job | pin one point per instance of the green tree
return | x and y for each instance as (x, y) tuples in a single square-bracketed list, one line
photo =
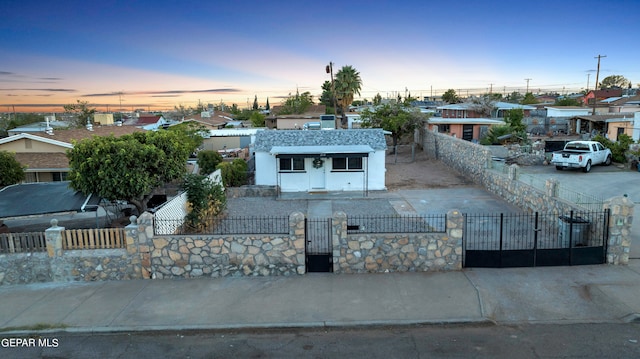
[(234, 174), (396, 118), (327, 97), (267, 106), (82, 112), (257, 119), (377, 99), (495, 132), (529, 99), (618, 148), (16, 120), (614, 81), (11, 171), (296, 104), (206, 200), (255, 103), (208, 161), (129, 167), (566, 101), (484, 105), (514, 97), (450, 96), (347, 84)]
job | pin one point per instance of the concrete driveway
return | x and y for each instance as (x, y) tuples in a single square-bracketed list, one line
[(603, 181)]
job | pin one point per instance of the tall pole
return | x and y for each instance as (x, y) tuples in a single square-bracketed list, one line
[(588, 76), (527, 86), (333, 90), (596, 87)]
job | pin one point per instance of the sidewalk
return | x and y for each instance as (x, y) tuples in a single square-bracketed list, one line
[(535, 295)]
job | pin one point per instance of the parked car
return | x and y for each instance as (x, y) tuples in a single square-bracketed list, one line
[(581, 154)]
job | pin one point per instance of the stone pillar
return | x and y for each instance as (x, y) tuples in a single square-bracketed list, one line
[(620, 220), (455, 232), (513, 172), (551, 186), (143, 229), (338, 236), (297, 233), (53, 237)]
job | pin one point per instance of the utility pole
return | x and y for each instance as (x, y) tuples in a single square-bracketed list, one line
[(588, 75), (490, 89), (527, 85), (596, 87), (329, 70)]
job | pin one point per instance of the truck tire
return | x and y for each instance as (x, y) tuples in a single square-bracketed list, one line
[(607, 162), (587, 168), (559, 168)]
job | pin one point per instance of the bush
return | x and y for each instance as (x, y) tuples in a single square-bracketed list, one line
[(618, 148), (206, 200), (234, 174), (208, 161)]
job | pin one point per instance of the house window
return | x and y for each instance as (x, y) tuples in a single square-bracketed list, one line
[(291, 164), (59, 176), (347, 163), (444, 128)]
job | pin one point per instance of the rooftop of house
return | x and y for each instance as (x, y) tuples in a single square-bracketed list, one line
[(78, 134), (498, 105), (42, 198), (38, 161), (266, 140), (148, 119)]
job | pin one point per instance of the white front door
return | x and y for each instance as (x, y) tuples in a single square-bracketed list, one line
[(317, 175)]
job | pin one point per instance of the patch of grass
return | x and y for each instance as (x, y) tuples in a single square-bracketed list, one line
[(34, 327)]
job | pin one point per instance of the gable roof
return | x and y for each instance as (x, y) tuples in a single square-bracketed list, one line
[(266, 140), (39, 161), (148, 119), (78, 134), (38, 137)]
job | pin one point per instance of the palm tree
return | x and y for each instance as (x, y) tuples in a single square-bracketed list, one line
[(347, 84)]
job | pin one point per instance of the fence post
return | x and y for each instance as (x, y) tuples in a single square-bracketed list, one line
[(551, 186), (53, 237), (620, 220), (143, 227), (338, 238), (297, 231), (455, 233), (513, 172)]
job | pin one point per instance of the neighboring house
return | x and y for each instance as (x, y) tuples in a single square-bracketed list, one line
[(30, 199), (316, 161), (151, 122), (629, 125), (38, 127), (230, 141), (44, 154), (103, 119), (469, 110), (593, 97), (469, 129), (209, 120), (294, 121), (595, 124)]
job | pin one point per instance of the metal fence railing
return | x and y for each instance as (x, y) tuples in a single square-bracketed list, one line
[(583, 200), (433, 223), (224, 225)]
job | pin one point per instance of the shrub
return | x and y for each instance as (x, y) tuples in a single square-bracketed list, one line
[(618, 148), (208, 161), (206, 200), (234, 174)]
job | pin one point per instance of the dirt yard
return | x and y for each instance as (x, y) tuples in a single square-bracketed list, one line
[(422, 173)]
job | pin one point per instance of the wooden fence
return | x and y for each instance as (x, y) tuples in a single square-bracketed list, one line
[(103, 238), (22, 242)]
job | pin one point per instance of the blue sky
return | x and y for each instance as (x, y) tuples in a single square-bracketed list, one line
[(159, 54)]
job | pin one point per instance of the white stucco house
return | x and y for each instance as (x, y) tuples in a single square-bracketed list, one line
[(316, 161)]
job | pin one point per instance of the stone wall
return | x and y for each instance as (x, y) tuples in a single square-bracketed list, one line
[(223, 255), (58, 265), (473, 161), (252, 191), (397, 252)]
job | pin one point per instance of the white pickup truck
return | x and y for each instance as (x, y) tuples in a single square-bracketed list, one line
[(581, 154)]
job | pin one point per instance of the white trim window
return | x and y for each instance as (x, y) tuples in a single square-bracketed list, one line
[(288, 164), (347, 164)]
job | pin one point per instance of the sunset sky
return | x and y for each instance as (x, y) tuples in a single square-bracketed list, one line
[(160, 54)]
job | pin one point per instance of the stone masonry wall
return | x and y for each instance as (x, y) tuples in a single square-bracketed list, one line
[(397, 252), (472, 160), (219, 255)]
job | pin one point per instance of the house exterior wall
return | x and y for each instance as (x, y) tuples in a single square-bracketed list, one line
[(103, 118), (455, 130), (564, 112), (266, 174), (26, 145), (612, 129), (294, 123), (218, 143)]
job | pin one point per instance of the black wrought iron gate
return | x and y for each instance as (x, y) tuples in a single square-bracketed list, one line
[(318, 247), (530, 240)]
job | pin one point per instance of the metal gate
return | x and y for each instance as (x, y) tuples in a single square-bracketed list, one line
[(318, 245), (530, 240)]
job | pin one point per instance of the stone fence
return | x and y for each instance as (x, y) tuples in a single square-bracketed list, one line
[(474, 161)]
